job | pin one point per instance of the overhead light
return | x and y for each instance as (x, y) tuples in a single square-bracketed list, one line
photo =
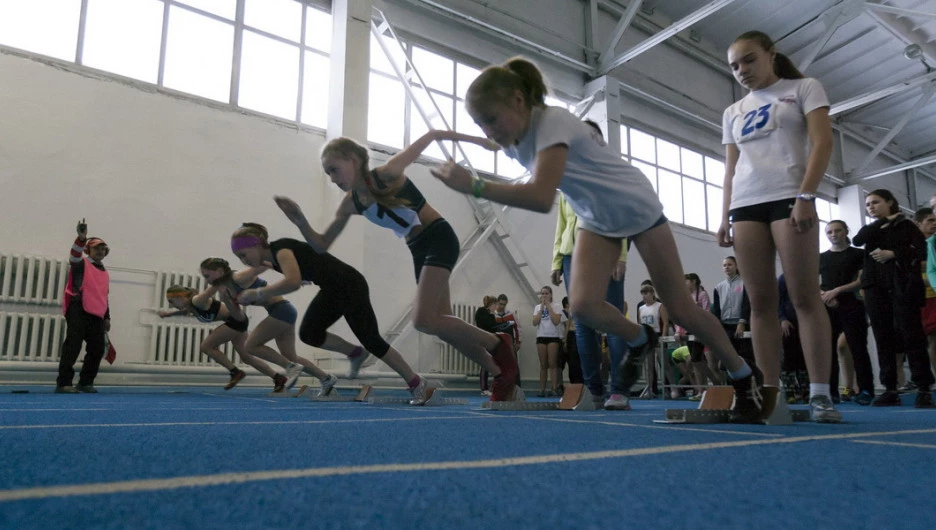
[(913, 52)]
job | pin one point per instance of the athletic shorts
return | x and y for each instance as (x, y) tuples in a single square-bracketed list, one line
[(436, 246), (766, 212), (548, 340), (283, 311), (696, 352), (236, 325), (928, 316)]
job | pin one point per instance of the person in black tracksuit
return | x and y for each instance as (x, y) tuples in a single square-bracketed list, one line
[(894, 293), (839, 279)]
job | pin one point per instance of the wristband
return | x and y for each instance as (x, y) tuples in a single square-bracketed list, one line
[(477, 187), (805, 196)]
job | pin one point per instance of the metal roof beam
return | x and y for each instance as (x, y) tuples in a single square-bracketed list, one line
[(899, 29), (666, 33), (895, 169), (870, 97), (618, 33), (833, 20), (899, 10), (895, 130)]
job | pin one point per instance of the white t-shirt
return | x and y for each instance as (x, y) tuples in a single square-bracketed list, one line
[(650, 315), (546, 327), (611, 197), (769, 128)]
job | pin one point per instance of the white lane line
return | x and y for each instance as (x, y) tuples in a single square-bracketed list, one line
[(213, 423), (166, 484), (639, 425), (901, 444)]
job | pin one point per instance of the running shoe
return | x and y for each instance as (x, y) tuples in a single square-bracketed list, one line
[(327, 385), (357, 358), (235, 378), (86, 389), (293, 371), (279, 383), (864, 398), (924, 400), (748, 403), (887, 399), (617, 402), (629, 369), (821, 410), (421, 393)]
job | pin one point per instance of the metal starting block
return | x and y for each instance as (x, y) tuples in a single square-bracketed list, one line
[(716, 402), (333, 396), (576, 397)]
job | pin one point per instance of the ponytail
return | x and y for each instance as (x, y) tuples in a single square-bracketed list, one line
[(497, 83), (349, 149)]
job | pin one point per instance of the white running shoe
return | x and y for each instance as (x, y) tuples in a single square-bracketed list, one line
[(356, 362), (422, 393), (617, 402), (327, 385), (293, 371)]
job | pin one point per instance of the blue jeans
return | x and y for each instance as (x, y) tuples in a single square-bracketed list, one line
[(586, 339)]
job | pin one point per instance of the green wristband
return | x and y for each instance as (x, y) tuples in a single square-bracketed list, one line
[(477, 186)]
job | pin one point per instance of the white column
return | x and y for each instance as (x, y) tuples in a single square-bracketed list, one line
[(851, 200), (350, 69)]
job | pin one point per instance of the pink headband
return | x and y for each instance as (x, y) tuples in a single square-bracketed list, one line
[(240, 243)]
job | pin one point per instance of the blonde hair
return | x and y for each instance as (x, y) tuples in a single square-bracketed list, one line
[(488, 300), (179, 291), (253, 229), (497, 83), (348, 149)]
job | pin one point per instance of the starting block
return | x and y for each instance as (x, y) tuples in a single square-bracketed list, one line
[(716, 404), (576, 397), (333, 396), (364, 394)]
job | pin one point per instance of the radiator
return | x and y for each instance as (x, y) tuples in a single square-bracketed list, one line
[(31, 336), (32, 279), (166, 279), (452, 361), (178, 344)]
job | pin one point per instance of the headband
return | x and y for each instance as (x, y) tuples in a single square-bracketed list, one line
[(242, 242), (177, 294)]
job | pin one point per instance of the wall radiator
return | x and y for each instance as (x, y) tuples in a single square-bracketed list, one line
[(175, 341), (451, 360), (32, 280), (31, 336), (32, 327)]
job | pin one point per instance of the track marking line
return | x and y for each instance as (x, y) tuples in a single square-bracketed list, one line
[(901, 444), (638, 425), (174, 483), (213, 423)]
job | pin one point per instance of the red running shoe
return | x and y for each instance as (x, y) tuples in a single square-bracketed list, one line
[(502, 389)]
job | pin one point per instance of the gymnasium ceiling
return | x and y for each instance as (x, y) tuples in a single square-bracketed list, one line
[(857, 49)]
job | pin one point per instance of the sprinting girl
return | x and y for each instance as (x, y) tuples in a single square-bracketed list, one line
[(280, 325), (387, 198), (343, 293), (778, 140), (612, 199), (203, 306)]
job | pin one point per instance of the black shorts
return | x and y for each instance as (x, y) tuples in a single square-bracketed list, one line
[(436, 246), (696, 352), (766, 212), (548, 340), (236, 325)]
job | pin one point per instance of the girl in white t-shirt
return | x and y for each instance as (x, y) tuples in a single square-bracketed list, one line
[(778, 142), (612, 200), (549, 319)]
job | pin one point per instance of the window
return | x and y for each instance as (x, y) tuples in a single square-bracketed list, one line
[(223, 8), (315, 90), (48, 27), (282, 18), (385, 111), (269, 76), (123, 37), (198, 55)]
